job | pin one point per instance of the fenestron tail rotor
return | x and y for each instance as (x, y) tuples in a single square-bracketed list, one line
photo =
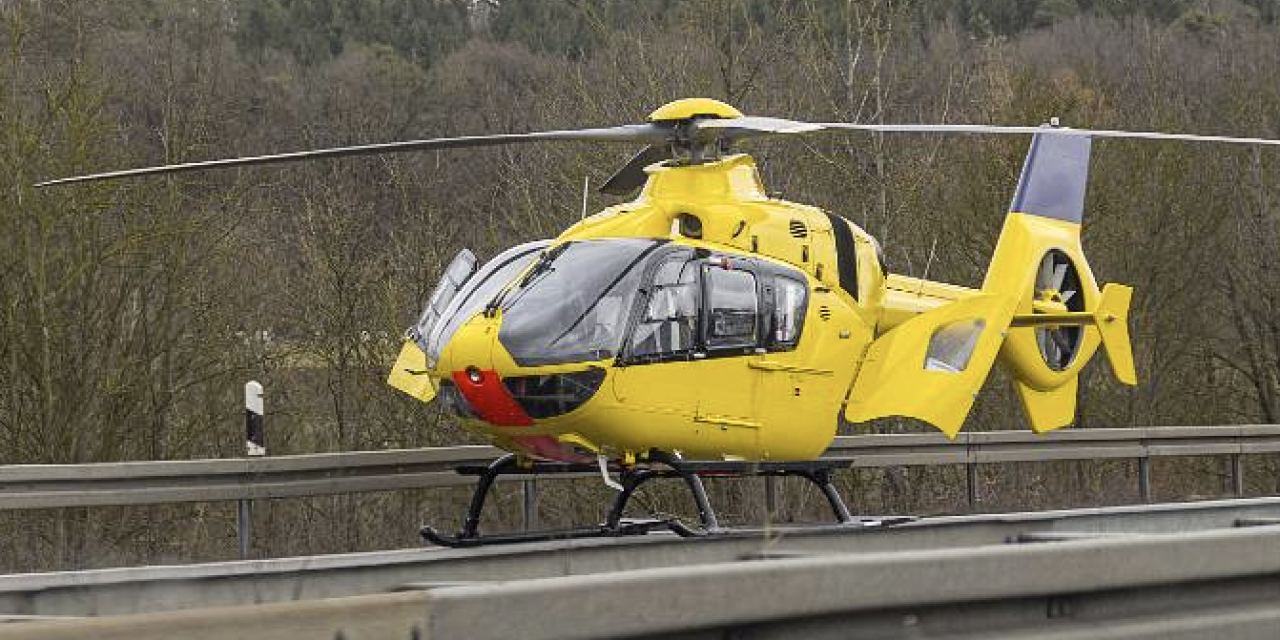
[(1057, 289), (692, 131)]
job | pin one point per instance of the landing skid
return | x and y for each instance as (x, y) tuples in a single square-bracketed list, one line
[(623, 529), (658, 466)]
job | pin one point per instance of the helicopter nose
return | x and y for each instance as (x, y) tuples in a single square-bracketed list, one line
[(489, 398), (469, 363)]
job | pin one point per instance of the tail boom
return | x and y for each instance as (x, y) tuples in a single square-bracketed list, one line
[(1040, 313)]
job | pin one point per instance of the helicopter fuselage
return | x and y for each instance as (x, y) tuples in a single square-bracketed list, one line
[(704, 316)]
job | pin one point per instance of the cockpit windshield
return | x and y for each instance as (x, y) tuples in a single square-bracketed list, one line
[(573, 304)]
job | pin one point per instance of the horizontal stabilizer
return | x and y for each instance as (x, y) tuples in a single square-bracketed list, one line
[(1053, 319), (1112, 320)]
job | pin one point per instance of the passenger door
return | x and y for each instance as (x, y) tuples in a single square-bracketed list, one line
[(690, 351), (660, 371), (731, 332)]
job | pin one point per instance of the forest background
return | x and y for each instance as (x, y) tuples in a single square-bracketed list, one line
[(132, 313)]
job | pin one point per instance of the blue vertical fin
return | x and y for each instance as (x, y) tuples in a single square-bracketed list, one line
[(1054, 177)]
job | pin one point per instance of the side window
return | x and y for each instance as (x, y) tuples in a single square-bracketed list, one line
[(733, 308), (790, 299), (670, 321)]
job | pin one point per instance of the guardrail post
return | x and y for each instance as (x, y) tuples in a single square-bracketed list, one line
[(1237, 474), (1144, 479), (255, 444), (771, 496), (971, 484), (244, 526), (530, 503)]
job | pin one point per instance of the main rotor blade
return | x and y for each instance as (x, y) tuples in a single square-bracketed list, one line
[(654, 134), (753, 126), (756, 126), (633, 133), (631, 175), (748, 126)]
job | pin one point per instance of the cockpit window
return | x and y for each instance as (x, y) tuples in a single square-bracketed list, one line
[(790, 298), (733, 307), (475, 294), (574, 303), (669, 324)]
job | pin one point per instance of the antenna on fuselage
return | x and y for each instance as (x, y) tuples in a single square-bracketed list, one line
[(586, 192), (928, 263)]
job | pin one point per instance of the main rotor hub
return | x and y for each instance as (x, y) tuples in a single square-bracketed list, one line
[(682, 116), (689, 108)]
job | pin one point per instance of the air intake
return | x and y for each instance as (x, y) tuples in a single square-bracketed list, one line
[(824, 312), (798, 229)]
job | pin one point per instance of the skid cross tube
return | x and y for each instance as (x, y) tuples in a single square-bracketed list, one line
[(471, 526), (659, 465), (631, 480), (822, 479), (705, 513)]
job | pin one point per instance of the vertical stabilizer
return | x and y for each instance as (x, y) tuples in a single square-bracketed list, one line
[(1054, 177)]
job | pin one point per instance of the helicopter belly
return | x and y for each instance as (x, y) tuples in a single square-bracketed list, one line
[(670, 403), (720, 408), (755, 407)]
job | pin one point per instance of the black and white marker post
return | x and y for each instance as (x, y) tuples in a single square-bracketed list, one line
[(255, 441), (255, 444)]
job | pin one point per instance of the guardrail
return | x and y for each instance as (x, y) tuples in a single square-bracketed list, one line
[(152, 589), (137, 483), (1191, 585)]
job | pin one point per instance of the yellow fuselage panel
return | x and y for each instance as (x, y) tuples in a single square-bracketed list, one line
[(736, 214), (907, 297)]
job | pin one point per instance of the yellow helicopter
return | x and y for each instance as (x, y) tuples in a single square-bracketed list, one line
[(705, 327)]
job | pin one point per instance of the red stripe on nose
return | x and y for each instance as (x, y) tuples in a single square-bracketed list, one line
[(490, 399)]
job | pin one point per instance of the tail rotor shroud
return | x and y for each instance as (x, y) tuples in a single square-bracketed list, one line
[(1057, 288)]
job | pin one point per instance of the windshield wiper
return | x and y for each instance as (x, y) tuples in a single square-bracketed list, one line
[(539, 269)]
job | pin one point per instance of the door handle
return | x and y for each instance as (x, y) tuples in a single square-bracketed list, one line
[(725, 421), (768, 365)]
